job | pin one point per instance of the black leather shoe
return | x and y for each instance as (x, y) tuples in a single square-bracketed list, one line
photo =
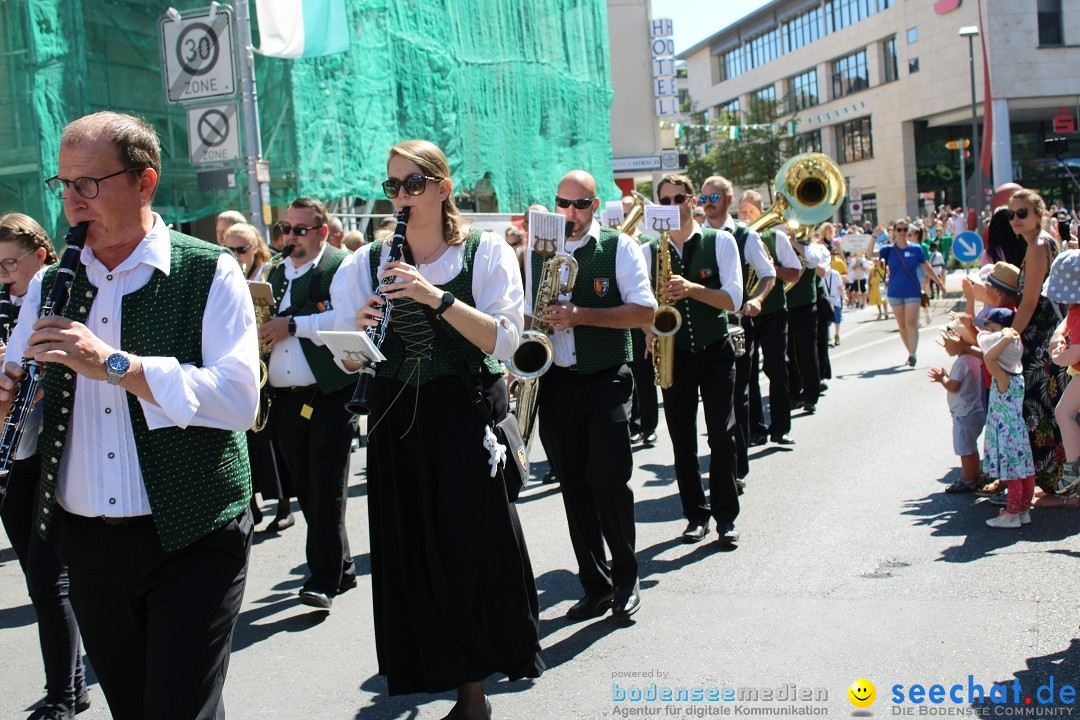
[(728, 533), (51, 712), (809, 408), (280, 523), (782, 440), (758, 439), (347, 583), (316, 599), (636, 438), (648, 439), (695, 532), (549, 478), (591, 606), (83, 703), (627, 601)]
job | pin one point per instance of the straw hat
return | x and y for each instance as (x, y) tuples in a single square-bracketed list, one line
[(1005, 277)]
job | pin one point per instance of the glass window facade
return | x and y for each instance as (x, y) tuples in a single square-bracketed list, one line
[(807, 142), (850, 74), (891, 68), (730, 110), (801, 30), (803, 91), (841, 13), (1050, 30), (854, 140)]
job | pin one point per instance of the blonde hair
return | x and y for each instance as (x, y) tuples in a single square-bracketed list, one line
[(24, 230), (432, 161), (827, 231), (250, 235), (724, 184), (1032, 198)]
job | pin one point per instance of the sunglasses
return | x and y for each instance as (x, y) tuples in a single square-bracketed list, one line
[(1022, 213), (710, 198), (901, 229), (297, 230), (85, 186), (677, 199), (240, 249), (580, 203), (414, 185)]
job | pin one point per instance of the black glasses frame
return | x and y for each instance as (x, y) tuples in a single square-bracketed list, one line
[(677, 199), (298, 230), (11, 265), (58, 185), (580, 203), (1022, 213), (240, 249), (414, 185)]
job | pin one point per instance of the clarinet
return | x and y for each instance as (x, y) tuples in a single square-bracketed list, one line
[(32, 371), (361, 399), (6, 312)]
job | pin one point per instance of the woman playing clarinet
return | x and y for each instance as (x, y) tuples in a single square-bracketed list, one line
[(454, 596)]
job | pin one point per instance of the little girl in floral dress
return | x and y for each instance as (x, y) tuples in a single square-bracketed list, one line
[(1006, 450)]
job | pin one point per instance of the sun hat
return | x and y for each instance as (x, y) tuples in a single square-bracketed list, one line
[(1005, 277), (1063, 281), (998, 316)]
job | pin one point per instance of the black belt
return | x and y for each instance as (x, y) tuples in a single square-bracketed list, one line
[(297, 389), (126, 522)]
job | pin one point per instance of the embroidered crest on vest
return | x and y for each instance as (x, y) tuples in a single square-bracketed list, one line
[(706, 273), (601, 286)]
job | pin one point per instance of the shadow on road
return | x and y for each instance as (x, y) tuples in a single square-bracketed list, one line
[(249, 633), (1059, 668), (17, 617)]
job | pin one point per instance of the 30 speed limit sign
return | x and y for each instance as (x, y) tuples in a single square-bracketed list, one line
[(197, 54)]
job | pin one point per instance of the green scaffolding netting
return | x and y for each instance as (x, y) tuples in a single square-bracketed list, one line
[(516, 93)]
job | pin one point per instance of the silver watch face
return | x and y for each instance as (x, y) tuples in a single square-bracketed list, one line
[(117, 364)]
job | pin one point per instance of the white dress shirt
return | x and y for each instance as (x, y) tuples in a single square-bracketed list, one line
[(100, 473), (288, 367), (496, 286), (728, 263), (754, 250), (631, 274)]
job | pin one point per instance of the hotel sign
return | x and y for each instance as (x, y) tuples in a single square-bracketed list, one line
[(665, 87)]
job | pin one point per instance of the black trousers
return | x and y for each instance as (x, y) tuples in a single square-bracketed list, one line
[(584, 420), (316, 452), (824, 317), (711, 373), (47, 583), (158, 626), (772, 346), (744, 366), (804, 379), (645, 412)]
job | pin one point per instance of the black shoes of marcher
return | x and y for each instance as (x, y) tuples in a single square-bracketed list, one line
[(809, 408), (695, 532), (83, 703), (627, 601), (648, 439), (758, 439), (636, 438), (728, 534), (591, 606), (549, 478), (316, 599), (280, 523), (782, 440), (347, 583)]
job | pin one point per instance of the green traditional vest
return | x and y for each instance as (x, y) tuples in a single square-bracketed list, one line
[(776, 300), (702, 325), (596, 286), (397, 365), (804, 292), (197, 478), (327, 374)]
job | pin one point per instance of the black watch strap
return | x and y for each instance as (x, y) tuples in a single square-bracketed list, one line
[(447, 301), (292, 326)]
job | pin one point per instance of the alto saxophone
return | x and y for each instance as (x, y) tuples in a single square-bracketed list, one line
[(666, 321), (263, 313), (535, 352)]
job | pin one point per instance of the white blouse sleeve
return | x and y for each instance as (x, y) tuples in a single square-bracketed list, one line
[(498, 292)]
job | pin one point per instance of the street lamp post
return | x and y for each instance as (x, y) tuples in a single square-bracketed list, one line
[(970, 31)]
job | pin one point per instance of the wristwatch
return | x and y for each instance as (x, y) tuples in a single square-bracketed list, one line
[(116, 365), (447, 301), (292, 326)]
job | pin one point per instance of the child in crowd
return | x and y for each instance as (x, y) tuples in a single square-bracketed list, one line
[(877, 290), (966, 404), (1006, 450), (834, 288), (1063, 286)]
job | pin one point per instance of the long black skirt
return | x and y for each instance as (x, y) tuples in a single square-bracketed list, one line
[(453, 592)]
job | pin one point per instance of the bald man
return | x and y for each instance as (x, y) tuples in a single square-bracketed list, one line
[(585, 396)]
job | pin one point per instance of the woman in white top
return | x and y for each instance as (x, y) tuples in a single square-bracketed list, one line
[(454, 596)]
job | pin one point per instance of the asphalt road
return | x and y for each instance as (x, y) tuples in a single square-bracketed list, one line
[(853, 564)]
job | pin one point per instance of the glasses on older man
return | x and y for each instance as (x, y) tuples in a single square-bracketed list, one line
[(88, 187)]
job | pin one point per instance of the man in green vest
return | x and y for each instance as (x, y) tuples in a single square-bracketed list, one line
[(311, 426), (705, 285), (152, 378), (585, 397)]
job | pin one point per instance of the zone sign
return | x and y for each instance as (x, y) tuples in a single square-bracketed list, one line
[(198, 55)]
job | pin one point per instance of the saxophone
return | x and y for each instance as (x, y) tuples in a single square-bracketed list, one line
[(535, 353), (263, 313), (666, 321)]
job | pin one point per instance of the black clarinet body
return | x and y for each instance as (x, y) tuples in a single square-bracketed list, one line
[(32, 371), (8, 314), (361, 399)]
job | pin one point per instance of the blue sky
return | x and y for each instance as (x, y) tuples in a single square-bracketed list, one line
[(695, 20)]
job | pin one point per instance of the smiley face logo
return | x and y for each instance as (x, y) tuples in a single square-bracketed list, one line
[(862, 693)]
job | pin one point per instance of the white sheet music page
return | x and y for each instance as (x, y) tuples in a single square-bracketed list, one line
[(355, 346)]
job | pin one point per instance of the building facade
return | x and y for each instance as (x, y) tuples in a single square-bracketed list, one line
[(882, 85)]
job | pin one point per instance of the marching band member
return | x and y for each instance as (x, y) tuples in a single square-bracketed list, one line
[(453, 593), (151, 380), (585, 397), (705, 285)]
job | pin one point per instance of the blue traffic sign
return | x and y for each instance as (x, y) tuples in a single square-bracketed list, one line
[(967, 247)]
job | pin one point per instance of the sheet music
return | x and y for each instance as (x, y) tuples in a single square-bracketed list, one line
[(662, 218), (613, 215), (546, 231), (353, 346)]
